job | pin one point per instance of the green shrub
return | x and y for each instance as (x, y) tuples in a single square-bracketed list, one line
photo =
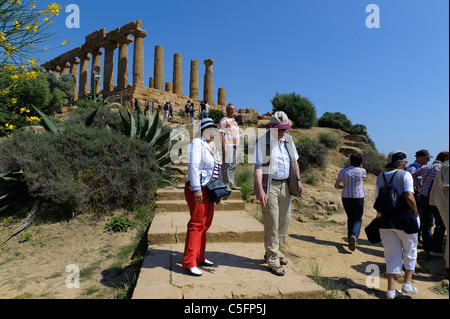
[(82, 168), (119, 224), (311, 154), (374, 162), (244, 179), (216, 115), (300, 110), (329, 140), (335, 120)]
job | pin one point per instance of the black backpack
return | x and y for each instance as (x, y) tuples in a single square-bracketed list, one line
[(387, 200)]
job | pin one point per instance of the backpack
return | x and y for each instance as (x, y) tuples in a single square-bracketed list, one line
[(387, 200)]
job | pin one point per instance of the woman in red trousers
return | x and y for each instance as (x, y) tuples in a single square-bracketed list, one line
[(204, 165)]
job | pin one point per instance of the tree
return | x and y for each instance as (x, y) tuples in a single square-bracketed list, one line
[(300, 110), (23, 26)]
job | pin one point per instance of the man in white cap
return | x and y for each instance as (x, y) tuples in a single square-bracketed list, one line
[(276, 179)]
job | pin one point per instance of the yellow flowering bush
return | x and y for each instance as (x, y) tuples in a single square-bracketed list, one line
[(23, 26)]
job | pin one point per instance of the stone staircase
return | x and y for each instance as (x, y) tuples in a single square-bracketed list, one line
[(234, 243)]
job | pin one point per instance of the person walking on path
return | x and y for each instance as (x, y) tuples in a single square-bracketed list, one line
[(398, 231), (204, 166), (229, 132), (432, 241), (276, 179), (350, 180), (422, 158), (439, 197)]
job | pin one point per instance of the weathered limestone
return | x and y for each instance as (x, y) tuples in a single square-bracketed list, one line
[(138, 57), (74, 73), (97, 67), (193, 85), (64, 67), (84, 73), (178, 73), (208, 91), (108, 67), (159, 68), (122, 69), (222, 98), (169, 87), (151, 83)]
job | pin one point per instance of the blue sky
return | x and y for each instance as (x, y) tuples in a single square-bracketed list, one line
[(394, 79)]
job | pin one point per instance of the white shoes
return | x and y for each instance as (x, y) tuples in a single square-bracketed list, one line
[(392, 294), (407, 289), (195, 271)]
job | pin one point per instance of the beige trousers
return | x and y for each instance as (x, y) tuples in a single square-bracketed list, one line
[(276, 216)]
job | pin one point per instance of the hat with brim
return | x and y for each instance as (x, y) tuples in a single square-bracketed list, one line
[(423, 153), (280, 121), (395, 156), (206, 123)]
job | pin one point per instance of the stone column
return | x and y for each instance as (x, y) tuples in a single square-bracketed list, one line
[(122, 68), (64, 68), (108, 67), (222, 98), (159, 68), (84, 74), (151, 83), (96, 66), (208, 91), (178, 74), (138, 57), (74, 73), (169, 87), (193, 85)]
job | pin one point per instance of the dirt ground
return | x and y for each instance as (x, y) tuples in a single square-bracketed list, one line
[(36, 268), (322, 244), (40, 266)]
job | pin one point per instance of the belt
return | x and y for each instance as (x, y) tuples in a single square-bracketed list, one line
[(279, 180)]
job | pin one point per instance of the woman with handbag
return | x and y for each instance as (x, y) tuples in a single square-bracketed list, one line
[(398, 230), (204, 166)]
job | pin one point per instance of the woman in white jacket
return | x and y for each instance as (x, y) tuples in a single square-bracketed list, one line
[(204, 166)]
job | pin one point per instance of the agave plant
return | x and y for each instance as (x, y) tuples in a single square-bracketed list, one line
[(14, 197), (148, 129)]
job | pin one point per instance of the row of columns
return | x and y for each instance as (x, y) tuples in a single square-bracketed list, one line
[(77, 64), (157, 81)]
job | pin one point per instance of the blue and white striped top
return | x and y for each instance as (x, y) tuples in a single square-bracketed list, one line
[(352, 177)]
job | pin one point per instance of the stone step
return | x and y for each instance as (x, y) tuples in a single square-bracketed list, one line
[(240, 273), (177, 192), (229, 226), (180, 205)]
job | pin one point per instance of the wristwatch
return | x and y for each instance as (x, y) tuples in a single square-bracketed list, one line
[(299, 179)]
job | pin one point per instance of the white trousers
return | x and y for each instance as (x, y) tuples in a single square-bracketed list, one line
[(399, 246)]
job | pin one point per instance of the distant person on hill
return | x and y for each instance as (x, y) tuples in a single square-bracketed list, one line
[(276, 179), (439, 197), (187, 107), (350, 180), (398, 230), (166, 111), (192, 112), (432, 241)]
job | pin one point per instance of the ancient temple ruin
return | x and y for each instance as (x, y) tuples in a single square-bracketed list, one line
[(103, 44)]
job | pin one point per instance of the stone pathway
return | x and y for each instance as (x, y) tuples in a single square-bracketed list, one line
[(235, 244)]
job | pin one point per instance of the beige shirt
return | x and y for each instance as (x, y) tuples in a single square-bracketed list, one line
[(438, 196)]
